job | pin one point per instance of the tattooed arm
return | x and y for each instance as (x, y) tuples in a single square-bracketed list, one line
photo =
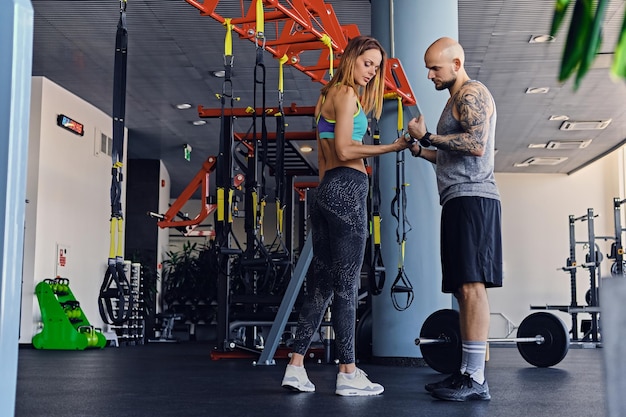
[(473, 107)]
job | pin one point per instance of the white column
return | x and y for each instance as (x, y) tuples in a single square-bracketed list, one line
[(16, 46), (415, 24)]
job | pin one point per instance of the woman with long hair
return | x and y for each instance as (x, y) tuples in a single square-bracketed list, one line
[(339, 217)]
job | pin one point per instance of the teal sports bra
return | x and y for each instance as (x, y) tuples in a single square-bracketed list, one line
[(326, 128)]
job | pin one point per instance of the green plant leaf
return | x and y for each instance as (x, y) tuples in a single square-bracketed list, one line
[(618, 69), (580, 26), (593, 42), (560, 8)]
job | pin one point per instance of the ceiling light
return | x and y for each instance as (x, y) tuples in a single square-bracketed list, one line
[(219, 74), (541, 39), (306, 149), (537, 90), (183, 106), (541, 160), (559, 117), (537, 146), (585, 125), (568, 144), (199, 122)]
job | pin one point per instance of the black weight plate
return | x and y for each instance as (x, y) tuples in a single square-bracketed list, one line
[(442, 357), (556, 336)]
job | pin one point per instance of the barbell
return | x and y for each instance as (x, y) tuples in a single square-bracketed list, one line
[(542, 340)]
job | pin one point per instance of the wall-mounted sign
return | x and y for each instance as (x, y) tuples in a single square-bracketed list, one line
[(70, 124)]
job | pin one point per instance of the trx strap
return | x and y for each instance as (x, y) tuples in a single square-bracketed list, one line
[(326, 40), (279, 168), (401, 284), (115, 298), (259, 80), (224, 199), (376, 273)]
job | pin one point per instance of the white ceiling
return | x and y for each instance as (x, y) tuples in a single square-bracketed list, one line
[(173, 50)]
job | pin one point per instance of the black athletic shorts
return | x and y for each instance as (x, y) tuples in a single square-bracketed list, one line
[(471, 242)]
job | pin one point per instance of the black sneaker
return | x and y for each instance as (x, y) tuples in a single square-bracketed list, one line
[(463, 389), (444, 383)]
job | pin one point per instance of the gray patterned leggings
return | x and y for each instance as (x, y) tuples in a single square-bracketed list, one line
[(339, 223)]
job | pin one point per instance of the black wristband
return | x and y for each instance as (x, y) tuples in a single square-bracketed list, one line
[(418, 153), (425, 140), (409, 139)]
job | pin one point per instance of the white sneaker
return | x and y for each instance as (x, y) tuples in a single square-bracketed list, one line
[(358, 386), (296, 379)]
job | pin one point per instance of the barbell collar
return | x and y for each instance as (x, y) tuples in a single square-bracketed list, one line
[(423, 341)]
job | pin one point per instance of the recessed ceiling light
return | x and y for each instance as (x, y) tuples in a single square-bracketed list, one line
[(183, 106), (537, 90), (542, 160), (306, 149), (199, 122), (219, 74), (541, 39), (559, 117), (537, 146), (585, 125), (568, 144)]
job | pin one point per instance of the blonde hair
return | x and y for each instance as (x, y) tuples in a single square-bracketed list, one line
[(371, 96)]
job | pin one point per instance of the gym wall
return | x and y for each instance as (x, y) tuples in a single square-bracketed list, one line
[(535, 213), (68, 201)]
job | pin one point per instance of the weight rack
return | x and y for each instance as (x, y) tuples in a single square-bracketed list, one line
[(592, 261)]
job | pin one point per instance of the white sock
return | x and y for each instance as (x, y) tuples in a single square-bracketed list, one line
[(349, 375), (475, 352)]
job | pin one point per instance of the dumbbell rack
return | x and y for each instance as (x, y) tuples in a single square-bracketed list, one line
[(60, 331), (133, 330)]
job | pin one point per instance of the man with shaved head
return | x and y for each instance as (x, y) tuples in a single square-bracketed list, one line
[(471, 246)]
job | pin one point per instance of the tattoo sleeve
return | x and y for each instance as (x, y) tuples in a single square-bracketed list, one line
[(474, 107)]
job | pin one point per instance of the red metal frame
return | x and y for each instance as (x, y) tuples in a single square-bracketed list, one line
[(297, 29), (200, 180), (300, 29), (302, 186)]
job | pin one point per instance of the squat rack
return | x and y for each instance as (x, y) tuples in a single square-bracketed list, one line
[(592, 262)]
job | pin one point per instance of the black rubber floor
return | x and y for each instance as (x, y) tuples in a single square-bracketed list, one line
[(160, 380)]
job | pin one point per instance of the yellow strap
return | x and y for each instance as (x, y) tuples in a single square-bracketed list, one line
[(228, 40), (401, 260), (376, 233), (262, 218), (255, 204), (329, 42), (120, 238), (280, 72), (231, 192), (220, 204), (279, 217), (260, 20), (112, 228), (400, 118)]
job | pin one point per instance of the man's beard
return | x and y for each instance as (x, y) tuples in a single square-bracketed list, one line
[(445, 85)]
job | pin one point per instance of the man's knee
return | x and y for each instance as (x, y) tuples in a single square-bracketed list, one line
[(470, 291)]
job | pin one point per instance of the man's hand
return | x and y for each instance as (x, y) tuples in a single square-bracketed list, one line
[(417, 127)]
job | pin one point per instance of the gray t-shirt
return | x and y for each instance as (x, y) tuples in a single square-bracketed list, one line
[(460, 174)]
